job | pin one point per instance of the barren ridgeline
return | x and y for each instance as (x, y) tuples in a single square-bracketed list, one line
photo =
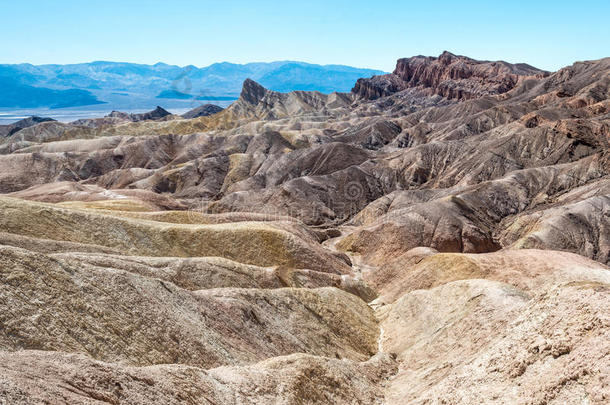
[(440, 234)]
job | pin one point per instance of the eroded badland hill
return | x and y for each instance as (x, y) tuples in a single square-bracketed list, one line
[(441, 234)]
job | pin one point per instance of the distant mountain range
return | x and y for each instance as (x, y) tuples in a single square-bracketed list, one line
[(134, 85)]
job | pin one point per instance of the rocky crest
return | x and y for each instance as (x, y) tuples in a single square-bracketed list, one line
[(8, 130), (252, 92), (202, 111), (155, 114), (450, 76)]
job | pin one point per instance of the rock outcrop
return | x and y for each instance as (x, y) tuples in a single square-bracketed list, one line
[(155, 114), (450, 76), (8, 130), (202, 111)]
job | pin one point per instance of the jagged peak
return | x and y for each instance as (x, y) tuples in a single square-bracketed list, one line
[(446, 57), (160, 111), (252, 92)]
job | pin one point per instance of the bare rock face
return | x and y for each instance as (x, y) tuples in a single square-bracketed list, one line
[(155, 114), (8, 130), (439, 235), (197, 328), (256, 102), (584, 225), (118, 118), (248, 242), (528, 269), (202, 111), (552, 348), (450, 76), (290, 379), (252, 92)]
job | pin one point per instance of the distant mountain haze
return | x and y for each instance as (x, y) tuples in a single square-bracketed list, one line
[(57, 86)]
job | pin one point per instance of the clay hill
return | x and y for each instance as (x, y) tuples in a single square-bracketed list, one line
[(440, 234)]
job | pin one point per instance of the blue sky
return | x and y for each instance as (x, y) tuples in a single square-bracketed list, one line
[(546, 34)]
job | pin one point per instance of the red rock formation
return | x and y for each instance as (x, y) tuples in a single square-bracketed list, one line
[(450, 76)]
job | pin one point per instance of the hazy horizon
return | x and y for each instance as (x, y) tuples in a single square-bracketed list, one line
[(99, 88), (191, 64)]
